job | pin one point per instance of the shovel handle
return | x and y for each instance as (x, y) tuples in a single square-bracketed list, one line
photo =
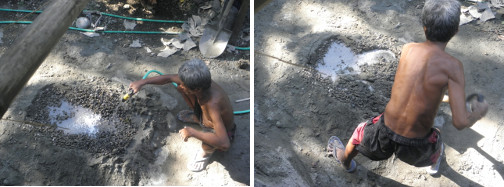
[(225, 13)]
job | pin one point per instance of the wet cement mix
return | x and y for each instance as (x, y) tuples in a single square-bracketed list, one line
[(322, 67), (69, 125)]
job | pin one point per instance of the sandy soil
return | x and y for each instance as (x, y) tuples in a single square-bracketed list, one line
[(297, 108), (137, 143)]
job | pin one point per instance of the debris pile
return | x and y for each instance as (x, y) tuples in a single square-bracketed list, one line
[(480, 10), (193, 28), (182, 41)]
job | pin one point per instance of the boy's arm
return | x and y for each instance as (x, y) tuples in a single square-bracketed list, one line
[(219, 139), (158, 80), (460, 116)]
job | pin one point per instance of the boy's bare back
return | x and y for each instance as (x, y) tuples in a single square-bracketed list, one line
[(424, 73)]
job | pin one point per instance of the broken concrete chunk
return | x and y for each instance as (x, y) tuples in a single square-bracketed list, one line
[(196, 20), (183, 36), (129, 25), (497, 3), (464, 19), (487, 15), (482, 6), (194, 26), (189, 44), (195, 32), (166, 42), (473, 10), (135, 43), (167, 52), (176, 43)]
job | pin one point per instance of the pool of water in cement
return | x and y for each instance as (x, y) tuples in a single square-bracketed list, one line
[(341, 60), (75, 119)]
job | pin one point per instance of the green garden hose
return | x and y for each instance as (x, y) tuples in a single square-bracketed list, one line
[(98, 31), (111, 15)]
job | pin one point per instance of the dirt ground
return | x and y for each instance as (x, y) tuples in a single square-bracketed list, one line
[(137, 142), (297, 108)]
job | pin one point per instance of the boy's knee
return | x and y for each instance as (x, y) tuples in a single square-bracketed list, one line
[(225, 146)]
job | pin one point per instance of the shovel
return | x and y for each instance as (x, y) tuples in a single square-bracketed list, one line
[(215, 37)]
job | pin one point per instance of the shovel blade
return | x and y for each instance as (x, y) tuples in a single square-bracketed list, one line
[(214, 42)]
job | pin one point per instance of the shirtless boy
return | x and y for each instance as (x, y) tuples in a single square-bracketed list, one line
[(425, 72), (211, 109)]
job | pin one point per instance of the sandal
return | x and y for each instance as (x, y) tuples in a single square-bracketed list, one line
[(198, 164), (337, 146)]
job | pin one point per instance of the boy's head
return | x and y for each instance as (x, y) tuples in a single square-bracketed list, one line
[(440, 19), (195, 75)]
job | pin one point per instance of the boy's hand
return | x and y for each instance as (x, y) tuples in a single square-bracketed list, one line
[(185, 133), (136, 86)]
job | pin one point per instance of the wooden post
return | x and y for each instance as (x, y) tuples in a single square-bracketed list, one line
[(23, 58)]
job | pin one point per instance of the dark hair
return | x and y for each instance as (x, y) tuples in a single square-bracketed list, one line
[(195, 74), (441, 19)]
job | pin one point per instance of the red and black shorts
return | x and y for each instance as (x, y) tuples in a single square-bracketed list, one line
[(377, 142)]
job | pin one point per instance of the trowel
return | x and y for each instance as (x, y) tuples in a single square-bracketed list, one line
[(215, 37)]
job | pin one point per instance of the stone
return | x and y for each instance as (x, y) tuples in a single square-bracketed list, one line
[(135, 44), (82, 22), (129, 25)]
